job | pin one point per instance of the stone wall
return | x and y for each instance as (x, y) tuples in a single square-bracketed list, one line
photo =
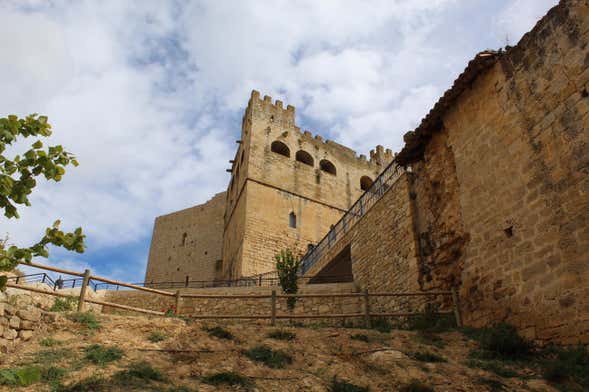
[(187, 244), (249, 306), (502, 186), (18, 320)]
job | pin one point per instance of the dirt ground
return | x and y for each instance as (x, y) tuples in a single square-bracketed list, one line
[(383, 363)]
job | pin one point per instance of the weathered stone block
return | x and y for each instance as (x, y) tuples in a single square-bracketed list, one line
[(30, 314), (28, 325), (25, 335), (10, 334), (14, 322)]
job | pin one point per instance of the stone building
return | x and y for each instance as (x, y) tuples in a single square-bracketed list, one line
[(287, 188), (489, 195)]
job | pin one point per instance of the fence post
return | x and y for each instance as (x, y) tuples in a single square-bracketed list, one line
[(83, 290), (273, 320), (456, 306), (177, 305), (44, 275), (366, 309)]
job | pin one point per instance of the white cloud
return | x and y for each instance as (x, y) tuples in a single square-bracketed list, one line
[(150, 95)]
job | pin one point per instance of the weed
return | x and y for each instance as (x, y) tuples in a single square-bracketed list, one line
[(219, 332), (92, 384), (567, 366), (503, 341), (101, 355), (138, 374), (53, 374), (156, 336), (342, 386), (50, 342), (271, 358), (381, 324), (360, 337), (494, 385), (64, 304), (230, 378), (431, 339), (50, 357), (86, 319), (281, 334), (494, 367), (415, 386), (425, 356), (21, 376), (430, 321)]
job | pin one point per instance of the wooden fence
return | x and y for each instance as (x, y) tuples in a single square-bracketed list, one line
[(273, 297)]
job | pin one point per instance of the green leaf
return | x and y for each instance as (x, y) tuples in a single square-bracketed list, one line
[(37, 144)]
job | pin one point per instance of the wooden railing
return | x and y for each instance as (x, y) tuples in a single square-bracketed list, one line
[(273, 316)]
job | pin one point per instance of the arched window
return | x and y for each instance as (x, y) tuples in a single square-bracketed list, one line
[(184, 239), (365, 183), (280, 148), (292, 220), (304, 157), (327, 166)]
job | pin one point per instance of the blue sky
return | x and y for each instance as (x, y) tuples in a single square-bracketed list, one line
[(149, 95)]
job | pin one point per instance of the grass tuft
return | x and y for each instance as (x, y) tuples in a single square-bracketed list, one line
[(138, 374), (494, 385), (431, 339), (50, 357), (495, 367), (229, 378), (101, 355), (343, 386), (360, 337), (426, 356), (281, 334), (567, 368), (157, 336), (91, 384), (87, 319), (64, 304), (219, 332), (21, 377), (50, 342), (503, 341), (274, 359)]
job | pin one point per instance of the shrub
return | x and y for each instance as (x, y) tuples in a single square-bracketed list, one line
[(50, 357), (101, 355), (502, 340), (494, 367), (494, 385), (281, 334), (342, 386), (219, 332), (64, 304), (287, 267), (415, 386), (425, 356), (229, 378), (381, 324), (567, 366), (430, 321), (86, 319), (53, 374), (430, 338), (92, 384), (156, 336), (23, 377), (275, 359)]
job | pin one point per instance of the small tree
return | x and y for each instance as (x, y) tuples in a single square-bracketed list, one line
[(287, 266), (18, 178)]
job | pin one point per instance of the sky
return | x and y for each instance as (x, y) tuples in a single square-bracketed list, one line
[(149, 95)]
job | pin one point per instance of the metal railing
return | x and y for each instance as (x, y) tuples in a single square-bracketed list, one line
[(33, 278), (378, 188)]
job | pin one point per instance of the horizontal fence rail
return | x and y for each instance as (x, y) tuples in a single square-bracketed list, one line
[(378, 188), (367, 314)]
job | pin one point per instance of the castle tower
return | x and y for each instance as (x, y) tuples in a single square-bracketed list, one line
[(287, 188)]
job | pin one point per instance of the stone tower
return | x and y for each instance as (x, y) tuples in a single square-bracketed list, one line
[(287, 188)]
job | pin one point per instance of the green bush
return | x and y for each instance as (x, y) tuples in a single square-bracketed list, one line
[(430, 339), (64, 304), (87, 319), (568, 366), (425, 356), (229, 378), (22, 377), (281, 334), (49, 342), (430, 321), (275, 359), (50, 357), (138, 374), (219, 332), (91, 384), (381, 324), (101, 355), (503, 341), (342, 386), (53, 374), (156, 336)]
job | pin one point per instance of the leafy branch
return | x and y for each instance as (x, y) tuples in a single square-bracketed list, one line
[(287, 266)]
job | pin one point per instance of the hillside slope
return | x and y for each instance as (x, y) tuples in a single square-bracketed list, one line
[(312, 358)]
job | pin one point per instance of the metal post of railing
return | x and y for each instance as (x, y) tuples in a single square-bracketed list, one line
[(456, 306), (83, 290), (366, 309), (44, 275), (17, 279), (177, 303)]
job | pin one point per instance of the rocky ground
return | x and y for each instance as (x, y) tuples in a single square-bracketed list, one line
[(189, 353)]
